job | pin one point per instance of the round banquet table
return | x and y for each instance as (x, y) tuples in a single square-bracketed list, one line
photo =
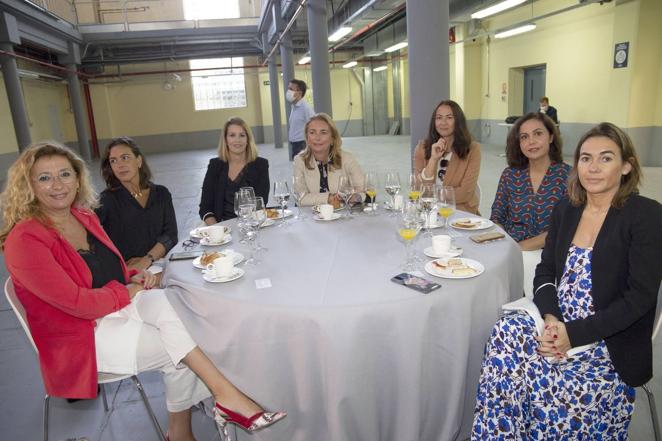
[(346, 352)]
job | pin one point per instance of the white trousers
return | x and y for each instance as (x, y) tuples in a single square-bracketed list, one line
[(148, 335)]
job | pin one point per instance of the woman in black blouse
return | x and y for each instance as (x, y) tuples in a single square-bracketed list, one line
[(137, 214), (237, 166)]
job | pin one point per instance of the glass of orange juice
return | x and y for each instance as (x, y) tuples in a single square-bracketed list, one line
[(409, 225), (414, 187), (445, 203), (371, 190)]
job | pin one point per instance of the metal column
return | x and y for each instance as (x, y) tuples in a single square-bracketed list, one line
[(79, 112), (275, 96), (318, 36), (429, 83), (286, 56), (15, 97)]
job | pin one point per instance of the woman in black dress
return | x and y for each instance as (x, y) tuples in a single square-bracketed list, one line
[(237, 166)]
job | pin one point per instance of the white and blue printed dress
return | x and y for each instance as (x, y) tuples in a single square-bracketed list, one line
[(523, 396)]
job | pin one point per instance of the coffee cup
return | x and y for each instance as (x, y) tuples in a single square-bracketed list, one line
[(215, 233), (326, 211), (397, 202), (441, 244), (221, 267)]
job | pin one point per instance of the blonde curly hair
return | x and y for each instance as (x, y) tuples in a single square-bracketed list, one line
[(18, 201)]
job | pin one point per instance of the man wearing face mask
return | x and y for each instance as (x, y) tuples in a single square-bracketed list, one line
[(548, 110), (299, 116)]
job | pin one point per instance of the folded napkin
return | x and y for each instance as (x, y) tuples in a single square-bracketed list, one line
[(525, 304)]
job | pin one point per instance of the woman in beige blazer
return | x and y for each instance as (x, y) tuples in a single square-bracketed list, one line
[(448, 155), (323, 162)]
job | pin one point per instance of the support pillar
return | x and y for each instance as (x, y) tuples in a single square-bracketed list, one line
[(72, 60), (429, 83), (275, 96), (286, 57), (318, 36)]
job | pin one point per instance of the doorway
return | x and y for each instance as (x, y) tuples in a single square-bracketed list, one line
[(534, 87)]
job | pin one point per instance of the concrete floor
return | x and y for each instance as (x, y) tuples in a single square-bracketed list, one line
[(21, 388)]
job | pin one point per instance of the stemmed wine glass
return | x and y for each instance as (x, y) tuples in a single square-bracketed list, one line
[(282, 195), (346, 191), (253, 223), (427, 203), (261, 217), (392, 188), (370, 181), (409, 225), (243, 196), (414, 186), (299, 190), (446, 204)]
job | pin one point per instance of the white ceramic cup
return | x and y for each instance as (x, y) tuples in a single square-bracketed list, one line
[(326, 211), (222, 266), (215, 233), (397, 202), (441, 244)]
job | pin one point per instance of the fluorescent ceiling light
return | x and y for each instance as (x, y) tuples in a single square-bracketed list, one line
[(373, 54), (350, 64), (303, 60), (380, 68), (495, 9), (340, 33), (396, 47), (515, 31)]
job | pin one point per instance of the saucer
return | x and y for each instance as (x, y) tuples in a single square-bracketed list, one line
[(236, 258), (238, 272), (333, 217), (453, 252), (205, 241), (198, 233)]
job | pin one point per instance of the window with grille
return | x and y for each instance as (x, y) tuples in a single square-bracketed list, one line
[(215, 88)]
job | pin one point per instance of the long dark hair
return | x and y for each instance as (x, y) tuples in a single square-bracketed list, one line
[(514, 153), (461, 136), (107, 172)]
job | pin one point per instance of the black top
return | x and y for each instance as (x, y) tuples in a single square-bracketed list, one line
[(230, 189), (133, 229), (256, 175), (552, 113), (626, 273), (103, 263)]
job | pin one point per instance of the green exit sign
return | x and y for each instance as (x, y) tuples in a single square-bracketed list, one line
[(266, 82)]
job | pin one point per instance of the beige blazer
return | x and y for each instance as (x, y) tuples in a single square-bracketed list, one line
[(462, 174), (350, 167)]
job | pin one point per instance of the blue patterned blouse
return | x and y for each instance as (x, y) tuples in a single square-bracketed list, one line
[(522, 213)]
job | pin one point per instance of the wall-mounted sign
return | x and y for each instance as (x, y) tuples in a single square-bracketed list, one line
[(266, 82), (621, 51)]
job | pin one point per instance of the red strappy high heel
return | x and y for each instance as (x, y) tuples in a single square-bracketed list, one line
[(260, 420)]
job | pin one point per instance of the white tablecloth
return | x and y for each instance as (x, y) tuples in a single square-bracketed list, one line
[(347, 353)]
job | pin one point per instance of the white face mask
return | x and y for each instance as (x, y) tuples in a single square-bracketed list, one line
[(289, 96)]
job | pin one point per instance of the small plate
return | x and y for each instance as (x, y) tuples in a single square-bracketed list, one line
[(478, 223), (238, 272), (277, 213), (205, 241), (197, 233), (430, 268), (316, 208), (334, 216), (453, 252), (236, 259), (268, 223)]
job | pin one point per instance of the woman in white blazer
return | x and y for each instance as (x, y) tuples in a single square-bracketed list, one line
[(323, 162)]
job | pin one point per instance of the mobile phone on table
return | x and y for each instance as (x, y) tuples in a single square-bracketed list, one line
[(487, 237), (416, 283), (185, 255)]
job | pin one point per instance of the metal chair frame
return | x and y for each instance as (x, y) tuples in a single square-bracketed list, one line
[(102, 379)]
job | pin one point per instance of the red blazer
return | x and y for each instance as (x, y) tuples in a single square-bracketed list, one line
[(54, 284)]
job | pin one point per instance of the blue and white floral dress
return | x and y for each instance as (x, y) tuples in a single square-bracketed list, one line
[(524, 396)]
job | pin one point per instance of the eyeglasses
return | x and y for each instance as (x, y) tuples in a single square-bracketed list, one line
[(189, 244), (443, 165), (46, 180)]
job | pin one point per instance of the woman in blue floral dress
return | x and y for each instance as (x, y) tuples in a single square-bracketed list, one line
[(596, 285)]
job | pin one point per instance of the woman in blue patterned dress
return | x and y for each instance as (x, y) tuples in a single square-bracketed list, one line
[(534, 181), (596, 285)]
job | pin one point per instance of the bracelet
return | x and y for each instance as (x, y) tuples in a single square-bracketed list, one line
[(425, 178)]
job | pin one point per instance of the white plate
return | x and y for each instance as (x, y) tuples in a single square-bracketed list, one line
[(453, 252), (430, 268), (479, 223), (268, 223), (238, 272), (236, 258), (333, 217), (288, 213), (205, 241), (316, 208), (197, 233)]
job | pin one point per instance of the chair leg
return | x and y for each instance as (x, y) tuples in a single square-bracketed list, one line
[(653, 411), (103, 396), (46, 400), (139, 386)]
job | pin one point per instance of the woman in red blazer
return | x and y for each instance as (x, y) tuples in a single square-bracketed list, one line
[(86, 312)]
